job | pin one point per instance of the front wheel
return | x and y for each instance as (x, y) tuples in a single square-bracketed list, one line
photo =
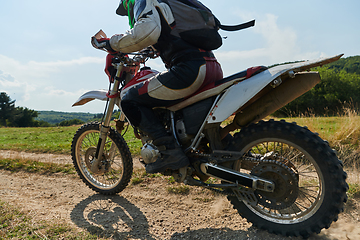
[(310, 188), (116, 162)]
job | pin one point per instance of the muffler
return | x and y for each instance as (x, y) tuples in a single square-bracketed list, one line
[(271, 100), (232, 176)]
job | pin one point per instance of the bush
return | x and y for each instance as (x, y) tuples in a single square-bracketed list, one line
[(336, 90), (71, 122)]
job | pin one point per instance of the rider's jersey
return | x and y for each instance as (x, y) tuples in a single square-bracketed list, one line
[(153, 21)]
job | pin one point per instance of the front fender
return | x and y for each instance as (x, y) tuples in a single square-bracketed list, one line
[(94, 94)]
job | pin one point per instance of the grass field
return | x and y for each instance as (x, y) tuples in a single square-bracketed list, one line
[(342, 132), (50, 139)]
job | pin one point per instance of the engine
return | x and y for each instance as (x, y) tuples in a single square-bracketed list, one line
[(149, 153)]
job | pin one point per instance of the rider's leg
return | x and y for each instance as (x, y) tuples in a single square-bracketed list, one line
[(163, 90), (172, 155)]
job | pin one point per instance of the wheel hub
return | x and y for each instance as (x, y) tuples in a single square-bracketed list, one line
[(104, 166), (286, 184)]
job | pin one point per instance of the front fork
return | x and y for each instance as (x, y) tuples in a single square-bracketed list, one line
[(105, 126)]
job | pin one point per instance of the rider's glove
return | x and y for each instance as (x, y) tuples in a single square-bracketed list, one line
[(105, 43)]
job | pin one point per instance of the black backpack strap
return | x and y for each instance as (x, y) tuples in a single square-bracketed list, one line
[(235, 27)]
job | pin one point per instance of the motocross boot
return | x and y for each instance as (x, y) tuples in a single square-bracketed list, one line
[(171, 156)]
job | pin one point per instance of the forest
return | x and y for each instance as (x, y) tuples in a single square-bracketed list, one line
[(339, 88)]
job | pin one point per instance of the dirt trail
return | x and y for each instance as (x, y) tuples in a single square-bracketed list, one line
[(143, 211)]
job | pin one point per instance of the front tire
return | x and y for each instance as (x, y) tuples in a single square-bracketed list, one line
[(321, 182), (116, 162)]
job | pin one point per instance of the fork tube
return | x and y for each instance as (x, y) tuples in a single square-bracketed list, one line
[(105, 126)]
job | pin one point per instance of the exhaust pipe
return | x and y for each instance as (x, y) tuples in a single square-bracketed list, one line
[(272, 100)]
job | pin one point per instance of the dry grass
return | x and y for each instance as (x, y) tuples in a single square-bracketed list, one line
[(343, 134)]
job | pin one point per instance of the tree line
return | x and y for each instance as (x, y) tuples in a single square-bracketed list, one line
[(15, 116), (55, 117), (11, 116)]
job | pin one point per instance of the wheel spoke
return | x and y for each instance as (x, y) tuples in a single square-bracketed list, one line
[(110, 169), (306, 172)]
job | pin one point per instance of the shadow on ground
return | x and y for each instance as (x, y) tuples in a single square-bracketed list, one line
[(115, 217)]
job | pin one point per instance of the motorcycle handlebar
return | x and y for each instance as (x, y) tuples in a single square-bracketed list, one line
[(141, 56)]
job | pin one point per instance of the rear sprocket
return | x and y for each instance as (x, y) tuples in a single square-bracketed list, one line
[(286, 184)]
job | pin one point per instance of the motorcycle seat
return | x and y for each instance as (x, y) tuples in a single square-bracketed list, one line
[(215, 88)]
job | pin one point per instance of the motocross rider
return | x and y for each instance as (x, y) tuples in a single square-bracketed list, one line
[(188, 69)]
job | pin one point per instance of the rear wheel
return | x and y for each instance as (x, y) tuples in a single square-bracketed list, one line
[(116, 164), (310, 187)]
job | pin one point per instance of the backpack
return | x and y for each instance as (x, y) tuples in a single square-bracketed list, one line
[(196, 24)]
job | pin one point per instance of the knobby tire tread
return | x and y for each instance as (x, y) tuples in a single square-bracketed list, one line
[(335, 185), (123, 149)]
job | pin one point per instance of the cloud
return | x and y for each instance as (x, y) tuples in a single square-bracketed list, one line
[(80, 61), (41, 69), (55, 85), (41, 85), (6, 80), (278, 44)]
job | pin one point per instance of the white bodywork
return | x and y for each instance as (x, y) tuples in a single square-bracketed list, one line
[(92, 95), (239, 94)]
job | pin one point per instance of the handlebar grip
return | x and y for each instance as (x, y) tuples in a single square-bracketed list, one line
[(96, 44)]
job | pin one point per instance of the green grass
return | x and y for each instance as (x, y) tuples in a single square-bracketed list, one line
[(354, 190), (179, 189), (136, 180), (55, 140), (15, 224), (44, 140), (15, 165), (340, 131)]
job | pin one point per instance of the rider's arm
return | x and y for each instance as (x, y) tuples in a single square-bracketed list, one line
[(147, 28)]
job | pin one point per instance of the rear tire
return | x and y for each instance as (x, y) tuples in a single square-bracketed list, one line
[(321, 179), (118, 165)]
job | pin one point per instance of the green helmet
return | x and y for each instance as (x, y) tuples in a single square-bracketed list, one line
[(126, 8)]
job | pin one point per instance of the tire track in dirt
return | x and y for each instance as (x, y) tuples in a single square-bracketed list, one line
[(142, 211)]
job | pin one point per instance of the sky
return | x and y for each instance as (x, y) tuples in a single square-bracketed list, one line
[(47, 61)]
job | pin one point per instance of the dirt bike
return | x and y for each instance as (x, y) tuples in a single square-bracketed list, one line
[(281, 177)]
